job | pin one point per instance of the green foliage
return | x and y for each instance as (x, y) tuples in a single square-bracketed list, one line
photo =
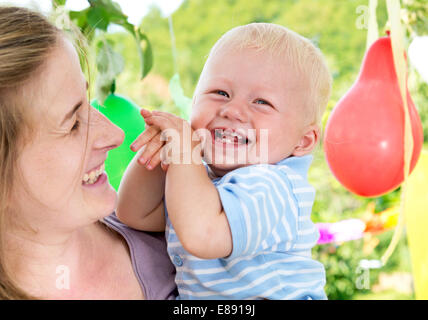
[(58, 3), (99, 16), (345, 279), (146, 55), (415, 16), (340, 263), (109, 64)]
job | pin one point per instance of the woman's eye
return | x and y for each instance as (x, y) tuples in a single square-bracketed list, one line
[(75, 125), (222, 93)]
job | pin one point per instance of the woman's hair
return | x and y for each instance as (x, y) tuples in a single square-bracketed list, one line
[(26, 39), (294, 50)]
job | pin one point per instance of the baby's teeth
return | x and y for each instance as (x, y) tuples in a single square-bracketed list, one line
[(228, 136)]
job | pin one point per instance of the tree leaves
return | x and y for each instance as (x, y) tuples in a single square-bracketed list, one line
[(109, 64), (58, 3), (146, 54), (99, 16), (415, 16)]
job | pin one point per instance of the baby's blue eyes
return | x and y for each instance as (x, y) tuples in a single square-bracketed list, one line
[(260, 101), (222, 93), (257, 101)]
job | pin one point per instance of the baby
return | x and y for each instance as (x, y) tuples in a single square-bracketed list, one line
[(234, 199)]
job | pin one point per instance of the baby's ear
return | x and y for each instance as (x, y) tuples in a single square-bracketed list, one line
[(308, 141)]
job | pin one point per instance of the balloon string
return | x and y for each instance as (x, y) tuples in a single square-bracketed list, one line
[(398, 229), (173, 48), (373, 30), (393, 7)]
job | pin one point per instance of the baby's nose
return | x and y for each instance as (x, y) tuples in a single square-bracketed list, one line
[(235, 111)]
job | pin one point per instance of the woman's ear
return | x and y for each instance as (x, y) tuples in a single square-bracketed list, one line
[(308, 141)]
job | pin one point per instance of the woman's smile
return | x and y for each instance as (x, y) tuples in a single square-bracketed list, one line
[(94, 176), (99, 180)]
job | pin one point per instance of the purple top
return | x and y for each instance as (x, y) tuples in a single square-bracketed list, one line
[(150, 260)]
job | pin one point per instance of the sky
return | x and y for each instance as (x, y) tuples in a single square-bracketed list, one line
[(134, 9)]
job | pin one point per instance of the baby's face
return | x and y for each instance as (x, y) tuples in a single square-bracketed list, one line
[(251, 105)]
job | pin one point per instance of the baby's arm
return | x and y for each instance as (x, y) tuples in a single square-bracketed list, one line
[(141, 190), (195, 211), (193, 203), (140, 204)]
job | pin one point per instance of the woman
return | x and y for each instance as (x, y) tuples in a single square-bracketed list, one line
[(53, 191)]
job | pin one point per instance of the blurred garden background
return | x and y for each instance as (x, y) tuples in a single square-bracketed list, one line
[(180, 43)]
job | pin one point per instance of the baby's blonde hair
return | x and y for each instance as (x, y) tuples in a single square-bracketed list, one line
[(295, 49)]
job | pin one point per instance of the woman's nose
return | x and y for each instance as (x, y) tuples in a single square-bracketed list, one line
[(235, 110), (107, 135)]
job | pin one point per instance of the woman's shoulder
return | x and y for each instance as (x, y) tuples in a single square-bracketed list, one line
[(150, 260)]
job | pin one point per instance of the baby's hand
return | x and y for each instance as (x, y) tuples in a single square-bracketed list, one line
[(181, 141), (151, 139)]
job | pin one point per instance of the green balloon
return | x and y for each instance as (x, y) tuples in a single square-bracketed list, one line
[(126, 115)]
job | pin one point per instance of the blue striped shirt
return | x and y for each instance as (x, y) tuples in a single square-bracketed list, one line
[(268, 208)]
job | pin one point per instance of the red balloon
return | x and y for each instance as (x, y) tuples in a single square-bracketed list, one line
[(364, 136)]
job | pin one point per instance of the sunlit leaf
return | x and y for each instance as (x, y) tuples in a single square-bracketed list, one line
[(109, 64), (98, 18), (145, 53), (58, 3)]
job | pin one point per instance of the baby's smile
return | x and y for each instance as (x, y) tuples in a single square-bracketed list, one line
[(230, 146), (228, 136)]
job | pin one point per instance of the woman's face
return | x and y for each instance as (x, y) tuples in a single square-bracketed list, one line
[(54, 162)]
